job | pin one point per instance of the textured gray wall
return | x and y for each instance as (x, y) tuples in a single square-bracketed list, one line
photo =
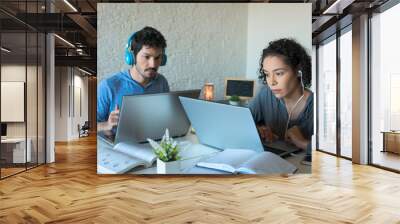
[(206, 42)]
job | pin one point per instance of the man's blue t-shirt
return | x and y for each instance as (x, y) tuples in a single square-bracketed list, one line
[(111, 90)]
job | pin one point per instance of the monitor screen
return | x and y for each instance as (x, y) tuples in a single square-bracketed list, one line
[(3, 129), (242, 88)]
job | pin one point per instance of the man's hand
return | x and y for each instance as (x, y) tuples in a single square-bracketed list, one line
[(266, 133), (295, 136), (113, 118), (111, 122)]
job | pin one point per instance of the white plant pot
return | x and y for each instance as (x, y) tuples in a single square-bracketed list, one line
[(168, 167), (234, 103)]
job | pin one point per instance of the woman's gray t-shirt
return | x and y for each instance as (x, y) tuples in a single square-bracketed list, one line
[(268, 109)]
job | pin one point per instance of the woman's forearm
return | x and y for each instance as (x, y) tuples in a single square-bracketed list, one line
[(303, 144)]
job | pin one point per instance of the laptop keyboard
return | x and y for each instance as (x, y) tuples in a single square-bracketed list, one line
[(280, 148), (108, 138), (276, 151)]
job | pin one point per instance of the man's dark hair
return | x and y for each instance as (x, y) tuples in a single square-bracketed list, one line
[(147, 36), (293, 54)]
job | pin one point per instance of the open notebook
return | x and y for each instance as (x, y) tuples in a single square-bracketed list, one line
[(123, 157), (248, 162)]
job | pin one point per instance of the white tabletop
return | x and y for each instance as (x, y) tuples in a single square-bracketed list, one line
[(190, 154)]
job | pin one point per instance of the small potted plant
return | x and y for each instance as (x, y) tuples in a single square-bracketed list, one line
[(234, 100), (167, 152)]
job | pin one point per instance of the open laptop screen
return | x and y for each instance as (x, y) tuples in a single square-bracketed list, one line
[(147, 116), (222, 126)]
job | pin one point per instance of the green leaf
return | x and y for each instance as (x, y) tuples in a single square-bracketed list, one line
[(167, 150)]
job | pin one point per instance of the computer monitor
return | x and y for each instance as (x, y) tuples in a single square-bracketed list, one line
[(3, 129), (244, 88), (192, 93)]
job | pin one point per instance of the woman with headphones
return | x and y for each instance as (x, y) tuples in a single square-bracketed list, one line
[(283, 108)]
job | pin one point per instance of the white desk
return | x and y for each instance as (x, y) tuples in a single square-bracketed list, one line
[(18, 149), (192, 155), (192, 152)]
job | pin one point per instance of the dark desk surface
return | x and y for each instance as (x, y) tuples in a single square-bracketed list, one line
[(242, 103)]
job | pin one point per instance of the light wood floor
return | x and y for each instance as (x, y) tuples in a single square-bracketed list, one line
[(5, 172), (386, 159), (70, 191), (9, 171)]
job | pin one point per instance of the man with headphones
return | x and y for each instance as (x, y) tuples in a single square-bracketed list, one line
[(145, 53)]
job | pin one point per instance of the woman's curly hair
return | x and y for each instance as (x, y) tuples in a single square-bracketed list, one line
[(293, 55)]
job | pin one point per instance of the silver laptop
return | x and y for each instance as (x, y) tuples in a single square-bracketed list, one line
[(222, 126), (147, 116)]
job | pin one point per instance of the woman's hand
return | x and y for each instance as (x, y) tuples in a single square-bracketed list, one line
[(266, 133), (295, 136)]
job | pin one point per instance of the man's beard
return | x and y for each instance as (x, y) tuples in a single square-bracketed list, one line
[(144, 76)]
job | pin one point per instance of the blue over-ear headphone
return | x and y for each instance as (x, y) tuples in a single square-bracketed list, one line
[(130, 57)]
